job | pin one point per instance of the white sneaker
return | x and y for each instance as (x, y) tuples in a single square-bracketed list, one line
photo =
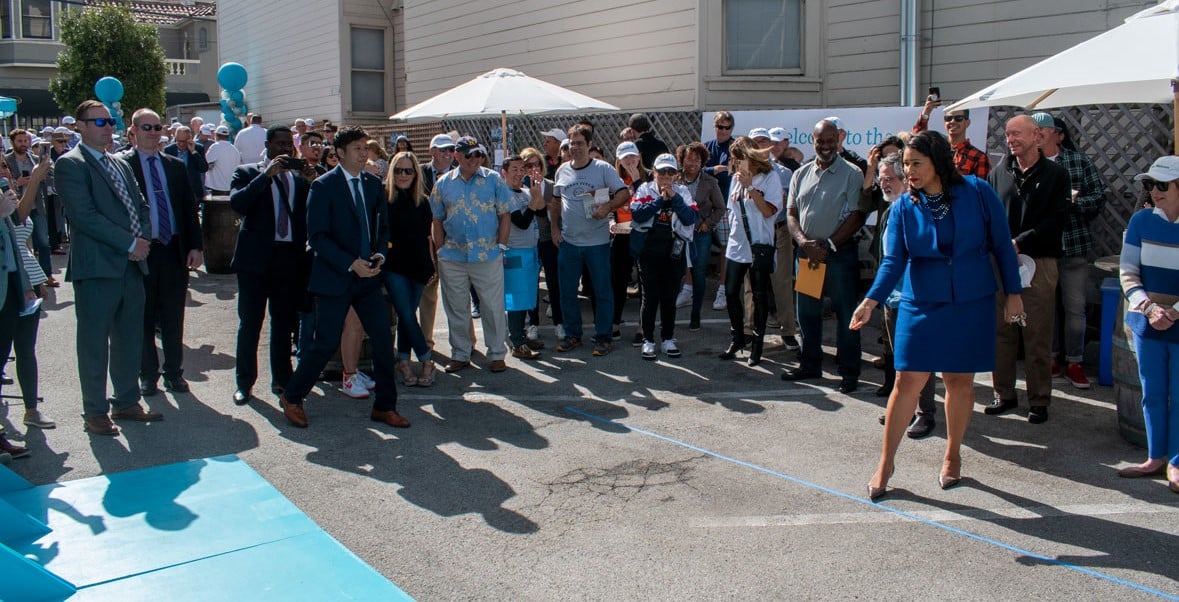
[(39, 420), (670, 349), (533, 333), (560, 331), (365, 380), (720, 304), (685, 297), (648, 351), (352, 388)]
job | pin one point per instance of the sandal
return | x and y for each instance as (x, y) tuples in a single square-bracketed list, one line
[(407, 377), (427, 377)]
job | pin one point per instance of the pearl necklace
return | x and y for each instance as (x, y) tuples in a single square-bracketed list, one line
[(934, 203)]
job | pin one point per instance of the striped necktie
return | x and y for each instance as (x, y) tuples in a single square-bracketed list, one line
[(121, 188)]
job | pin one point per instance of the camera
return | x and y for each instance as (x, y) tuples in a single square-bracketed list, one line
[(295, 164)]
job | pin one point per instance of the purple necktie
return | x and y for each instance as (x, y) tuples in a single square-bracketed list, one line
[(284, 216), (163, 212)]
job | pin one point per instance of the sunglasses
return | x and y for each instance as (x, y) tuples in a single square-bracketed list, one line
[(1150, 185), (147, 127), (723, 127), (102, 121), (532, 165), (315, 145), (955, 118), (404, 171), (667, 172)]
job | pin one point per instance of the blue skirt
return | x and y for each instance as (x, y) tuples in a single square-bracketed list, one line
[(946, 337)]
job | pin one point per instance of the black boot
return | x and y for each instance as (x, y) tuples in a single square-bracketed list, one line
[(755, 348), (890, 378), (736, 343)]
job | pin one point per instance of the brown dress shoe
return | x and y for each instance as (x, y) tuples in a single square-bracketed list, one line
[(137, 413), (456, 365), (389, 417), (293, 412), (523, 352), (100, 425), (499, 365), (13, 450)]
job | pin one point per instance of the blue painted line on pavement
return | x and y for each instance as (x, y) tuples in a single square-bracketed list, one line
[(864, 501)]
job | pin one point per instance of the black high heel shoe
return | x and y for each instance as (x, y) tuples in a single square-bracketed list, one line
[(755, 349), (731, 352)]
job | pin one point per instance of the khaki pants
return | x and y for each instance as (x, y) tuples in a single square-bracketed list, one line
[(1039, 302), (782, 280), (455, 281)]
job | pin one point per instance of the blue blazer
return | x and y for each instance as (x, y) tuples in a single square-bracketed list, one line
[(333, 230), (980, 231)]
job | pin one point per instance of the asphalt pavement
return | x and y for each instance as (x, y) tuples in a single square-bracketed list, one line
[(575, 477)]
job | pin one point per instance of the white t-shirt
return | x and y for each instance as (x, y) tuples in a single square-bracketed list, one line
[(762, 228), (580, 189), (250, 142), (223, 158)]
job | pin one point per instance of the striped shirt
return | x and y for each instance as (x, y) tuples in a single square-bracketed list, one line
[(1150, 269)]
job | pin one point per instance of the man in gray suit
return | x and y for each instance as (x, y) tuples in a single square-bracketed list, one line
[(111, 230)]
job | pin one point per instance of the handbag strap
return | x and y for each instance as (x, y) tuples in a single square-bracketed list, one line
[(745, 218)]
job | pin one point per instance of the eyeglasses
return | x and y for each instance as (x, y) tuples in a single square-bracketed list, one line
[(101, 121), (955, 118), (315, 145), (578, 143), (886, 179), (404, 171), (147, 127), (723, 127), (330, 156), (1150, 185), (667, 171)]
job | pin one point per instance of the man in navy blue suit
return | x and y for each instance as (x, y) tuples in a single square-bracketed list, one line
[(348, 230), (186, 149)]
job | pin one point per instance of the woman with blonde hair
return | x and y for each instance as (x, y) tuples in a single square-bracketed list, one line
[(378, 159)]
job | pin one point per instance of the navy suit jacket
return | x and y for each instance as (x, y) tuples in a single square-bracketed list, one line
[(196, 165), (180, 198), (334, 227), (253, 199), (911, 249)]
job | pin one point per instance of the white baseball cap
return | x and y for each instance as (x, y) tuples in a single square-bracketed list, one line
[(836, 122), (442, 141), (67, 120), (555, 133), (626, 149), (778, 135), (665, 161), (207, 129), (759, 133), (222, 130), (1164, 169)]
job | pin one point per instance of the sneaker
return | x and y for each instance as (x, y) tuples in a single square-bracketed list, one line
[(684, 299), (532, 333), (1076, 375), (1057, 371), (601, 348), (39, 420), (560, 331), (670, 349), (616, 334), (790, 342), (637, 341), (720, 303), (524, 352), (365, 380), (568, 344), (475, 313), (352, 388), (648, 352)]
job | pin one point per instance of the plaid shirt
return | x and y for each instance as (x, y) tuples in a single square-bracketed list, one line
[(1082, 176), (969, 160)]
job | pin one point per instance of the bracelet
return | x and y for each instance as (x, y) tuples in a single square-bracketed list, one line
[(833, 248)]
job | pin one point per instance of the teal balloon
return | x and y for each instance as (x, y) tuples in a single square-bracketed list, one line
[(109, 90), (232, 76), (237, 96)]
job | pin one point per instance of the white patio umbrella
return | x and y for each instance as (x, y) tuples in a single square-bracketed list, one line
[(499, 92), (1135, 62)]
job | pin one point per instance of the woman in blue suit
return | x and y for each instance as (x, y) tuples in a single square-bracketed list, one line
[(940, 237)]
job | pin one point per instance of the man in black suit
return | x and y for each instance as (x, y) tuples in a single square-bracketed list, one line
[(348, 230), (175, 248), (270, 259), (192, 154)]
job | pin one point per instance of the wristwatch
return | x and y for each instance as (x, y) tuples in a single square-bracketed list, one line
[(502, 246), (831, 244)]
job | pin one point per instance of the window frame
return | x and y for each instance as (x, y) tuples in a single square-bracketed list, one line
[(384, 71), (802, 46), (50, 19)]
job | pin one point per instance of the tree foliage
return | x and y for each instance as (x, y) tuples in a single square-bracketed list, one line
[(102, 41)]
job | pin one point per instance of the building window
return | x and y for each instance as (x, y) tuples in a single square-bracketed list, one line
[(5, 19), (36, 19), (368, 70), (203, 39), (763, 35)]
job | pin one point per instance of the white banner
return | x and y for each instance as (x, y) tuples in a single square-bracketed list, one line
[(866, 126)]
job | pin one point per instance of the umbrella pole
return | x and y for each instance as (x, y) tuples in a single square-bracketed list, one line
[(503, 133), (1175, 114)]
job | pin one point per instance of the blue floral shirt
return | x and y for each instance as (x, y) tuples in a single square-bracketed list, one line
[(469, 211)]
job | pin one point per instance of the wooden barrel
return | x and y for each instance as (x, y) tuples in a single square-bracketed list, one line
[(219, 226), (1127, 385)]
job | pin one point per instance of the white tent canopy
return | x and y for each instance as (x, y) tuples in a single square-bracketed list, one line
[(502, 91), (1132, 63)]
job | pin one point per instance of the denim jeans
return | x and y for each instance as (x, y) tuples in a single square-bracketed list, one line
[(1158, 368), (40, 240), (842, 286), (701, 251), (406, 294), (1070, 311), (596, 258)]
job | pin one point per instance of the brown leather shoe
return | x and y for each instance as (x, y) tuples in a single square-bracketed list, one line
[(13, 450), (499, 365), (293, 412), (523, 352), (456, 365), (100, 425), (137, 413), (389, 417)]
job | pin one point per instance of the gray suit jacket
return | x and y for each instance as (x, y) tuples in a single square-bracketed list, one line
[(100, 228), (7, 240), (42, 190)]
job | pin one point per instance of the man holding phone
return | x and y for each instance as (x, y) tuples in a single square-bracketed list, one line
[(21, 161), (969, 160)]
